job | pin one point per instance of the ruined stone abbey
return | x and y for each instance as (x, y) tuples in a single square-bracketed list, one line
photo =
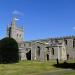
[(62, 48)]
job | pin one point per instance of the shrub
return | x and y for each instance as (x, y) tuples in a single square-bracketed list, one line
[(9, 52)]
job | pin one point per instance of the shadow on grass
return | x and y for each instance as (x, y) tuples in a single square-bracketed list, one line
[(65, 65)]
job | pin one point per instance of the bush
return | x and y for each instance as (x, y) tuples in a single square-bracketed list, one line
[(9, 52)]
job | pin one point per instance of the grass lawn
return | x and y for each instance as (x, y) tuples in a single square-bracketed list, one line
[(29, 68), (26, 68), (69, 73)]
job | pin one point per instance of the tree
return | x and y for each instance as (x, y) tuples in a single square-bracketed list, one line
[(9, 51)]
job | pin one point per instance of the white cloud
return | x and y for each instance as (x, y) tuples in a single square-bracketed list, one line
[(17, 19), (16, 12)]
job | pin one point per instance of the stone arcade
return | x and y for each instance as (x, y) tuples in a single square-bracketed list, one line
[(62, 48)]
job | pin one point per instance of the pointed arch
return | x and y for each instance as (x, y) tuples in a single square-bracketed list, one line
[(73, 43), (38, 50), (52, 51)]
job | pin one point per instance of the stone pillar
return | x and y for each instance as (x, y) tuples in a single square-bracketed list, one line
[(45, 53), (42, 53), (49, 53), (33, 52), (58, 54)]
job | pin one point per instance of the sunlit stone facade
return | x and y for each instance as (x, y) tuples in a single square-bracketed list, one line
[(62, 48)]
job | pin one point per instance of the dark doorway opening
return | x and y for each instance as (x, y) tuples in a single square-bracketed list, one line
[(38, 50), (47, 57), (28, 55), (67, 56)]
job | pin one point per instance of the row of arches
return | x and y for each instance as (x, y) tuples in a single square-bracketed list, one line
[(38, 52)]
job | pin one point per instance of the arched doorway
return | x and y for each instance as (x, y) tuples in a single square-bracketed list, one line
[(52, 51), (47, 53), (28, 55), (47, 56), (38, 50)]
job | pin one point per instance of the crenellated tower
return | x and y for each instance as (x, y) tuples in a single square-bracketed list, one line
[(15, 32)]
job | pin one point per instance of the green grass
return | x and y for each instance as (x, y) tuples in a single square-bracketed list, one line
[(69, 73), (29, 68), (26, 68)]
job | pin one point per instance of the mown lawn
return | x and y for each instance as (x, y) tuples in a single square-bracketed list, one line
[(30, 68), (69, 73), (26, 68)]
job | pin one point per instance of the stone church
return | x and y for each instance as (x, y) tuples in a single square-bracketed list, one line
[(62, 48)]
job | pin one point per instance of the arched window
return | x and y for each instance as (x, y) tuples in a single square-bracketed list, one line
[(73, 43), (38, 50), (9, 32), (65, 42), (17, 34), (52, 51)]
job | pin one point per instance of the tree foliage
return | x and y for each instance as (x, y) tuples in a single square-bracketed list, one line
[(9, 52)]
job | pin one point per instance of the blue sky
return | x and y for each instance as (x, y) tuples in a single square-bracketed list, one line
[(40, 18)]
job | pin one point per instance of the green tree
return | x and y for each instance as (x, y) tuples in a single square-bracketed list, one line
[(9, 51)]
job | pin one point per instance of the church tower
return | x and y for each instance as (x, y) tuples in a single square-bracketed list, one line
[(15, 32)]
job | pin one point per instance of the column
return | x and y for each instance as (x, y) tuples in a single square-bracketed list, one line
[(58, 54)]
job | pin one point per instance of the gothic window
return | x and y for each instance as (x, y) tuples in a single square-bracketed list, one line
[(47, 56), (65, 42), (9, 32), (73, 43), (52, 51), (17, 35), (38, 50), (47, 49)]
